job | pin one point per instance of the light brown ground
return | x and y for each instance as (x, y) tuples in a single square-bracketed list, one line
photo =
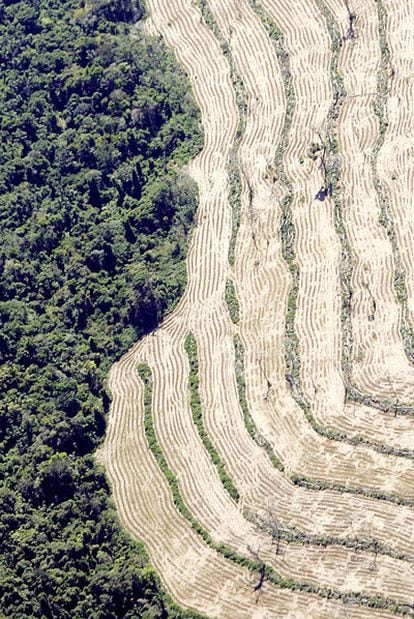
[(196, 575)]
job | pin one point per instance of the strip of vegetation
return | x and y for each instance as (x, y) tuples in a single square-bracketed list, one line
[(145, 375), (380, 109), (385, 406), (231, 297), (333, 174), (197, 413), (390, 497), (287, 230), (248, 419), (235, 185), (94, 222), (232, 301), (265, 572), (278, 531)]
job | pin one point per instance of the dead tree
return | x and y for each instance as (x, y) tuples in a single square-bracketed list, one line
[(262, 576), (350, 33), (290, 381), (323, 165), (249, 191), (274, 531), (268, 383), (262, 572), (373, 565), (355, 537), (250, 211), (394, 396), (320, 151), (371, 316)]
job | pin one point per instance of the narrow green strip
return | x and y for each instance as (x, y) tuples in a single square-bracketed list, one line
[(315, 484), (146, 377), (197, 413), (232, 301), (380, 109), (248, 419), (289, 534)]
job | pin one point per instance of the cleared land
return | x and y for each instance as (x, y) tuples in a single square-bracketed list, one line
[(275, 479)]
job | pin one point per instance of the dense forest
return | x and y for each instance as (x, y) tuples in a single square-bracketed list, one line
[(96, 123)]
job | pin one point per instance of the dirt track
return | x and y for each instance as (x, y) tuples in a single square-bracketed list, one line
[(231, 49)]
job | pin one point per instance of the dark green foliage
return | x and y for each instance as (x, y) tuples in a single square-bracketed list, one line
[(95, 122)]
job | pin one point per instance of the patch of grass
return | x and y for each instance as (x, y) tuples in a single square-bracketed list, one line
[(232, 301)]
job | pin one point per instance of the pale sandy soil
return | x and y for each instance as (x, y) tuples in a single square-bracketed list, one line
[(196, 575)]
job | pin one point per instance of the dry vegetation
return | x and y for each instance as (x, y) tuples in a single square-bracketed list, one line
[(293, 496)]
